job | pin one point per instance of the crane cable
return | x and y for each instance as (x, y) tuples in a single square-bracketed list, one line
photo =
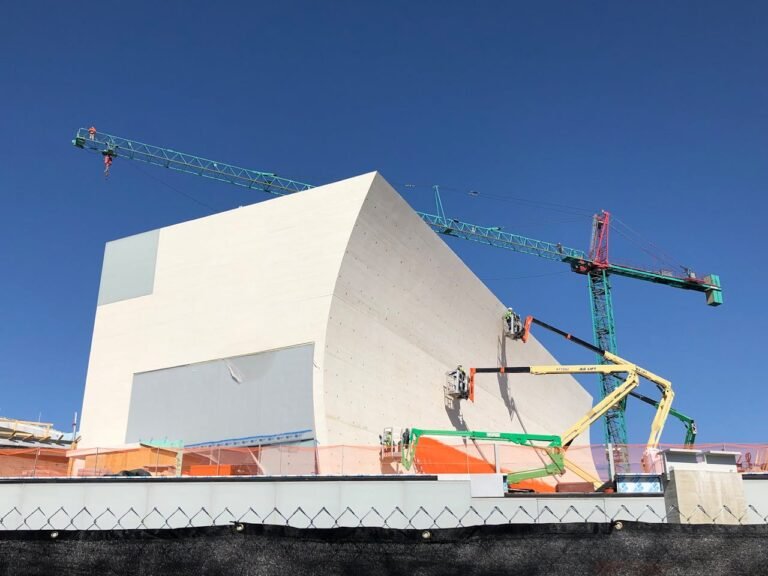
[(554, 206), (135, 166), (645, 245), (634, 237)]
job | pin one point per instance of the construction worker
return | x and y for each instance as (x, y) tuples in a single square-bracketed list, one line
[(387, 442), (509, 318), (513, 323), (92, 133), (463, 383), (460, 382), (108, 154)]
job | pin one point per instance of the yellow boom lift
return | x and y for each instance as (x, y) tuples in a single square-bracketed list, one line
[(558, 446)]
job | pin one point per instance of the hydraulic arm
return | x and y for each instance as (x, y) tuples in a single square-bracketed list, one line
[(618, 366), (558, 445), (550, 445), (663, 406), (614, 365), (688, 422)]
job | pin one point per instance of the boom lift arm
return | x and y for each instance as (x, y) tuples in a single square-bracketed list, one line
[(552, 448), (616, 396), (613, 365), (663, 406), (688, 422), (618, 366), (559, 444)]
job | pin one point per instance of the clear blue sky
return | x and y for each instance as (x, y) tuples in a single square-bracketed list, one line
[(656, 111)]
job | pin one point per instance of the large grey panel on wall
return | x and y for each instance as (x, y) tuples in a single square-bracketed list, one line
[(260, 394), (129, 267)]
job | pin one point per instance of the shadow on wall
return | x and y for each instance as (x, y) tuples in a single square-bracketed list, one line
[(453, 410), (503, 380)]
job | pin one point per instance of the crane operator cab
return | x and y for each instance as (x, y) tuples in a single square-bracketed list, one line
[(513, 326), (457, 384)]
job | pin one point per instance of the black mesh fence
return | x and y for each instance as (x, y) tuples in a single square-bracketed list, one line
[(567, 549)]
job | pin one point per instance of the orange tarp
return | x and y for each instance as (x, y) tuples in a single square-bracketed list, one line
[(434, 457)]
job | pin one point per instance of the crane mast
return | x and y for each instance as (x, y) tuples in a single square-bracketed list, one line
[(595, 265), (604, 331)]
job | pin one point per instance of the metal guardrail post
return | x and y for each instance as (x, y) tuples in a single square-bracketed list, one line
[(611, 463), (34, 468)]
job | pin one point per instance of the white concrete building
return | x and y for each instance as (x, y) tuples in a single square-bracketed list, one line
[(324, 316)]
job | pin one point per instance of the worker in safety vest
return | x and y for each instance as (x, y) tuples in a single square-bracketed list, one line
[(513, 323), (508, 316), (92, 133)]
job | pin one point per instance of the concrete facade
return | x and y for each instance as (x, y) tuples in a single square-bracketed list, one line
[(347, 267)]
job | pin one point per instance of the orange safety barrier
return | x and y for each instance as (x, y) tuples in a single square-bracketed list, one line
[(432, 457), (33, 462)]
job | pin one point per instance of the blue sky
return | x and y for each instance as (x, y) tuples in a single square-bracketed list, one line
[(655, 111)]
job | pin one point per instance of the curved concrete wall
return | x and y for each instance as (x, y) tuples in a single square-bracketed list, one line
[(405, 311), (348, 267)]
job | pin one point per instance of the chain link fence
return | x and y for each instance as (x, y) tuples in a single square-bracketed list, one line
[(94, 518)]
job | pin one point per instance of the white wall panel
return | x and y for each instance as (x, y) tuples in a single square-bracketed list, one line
[(351, 268), (252, 279)]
